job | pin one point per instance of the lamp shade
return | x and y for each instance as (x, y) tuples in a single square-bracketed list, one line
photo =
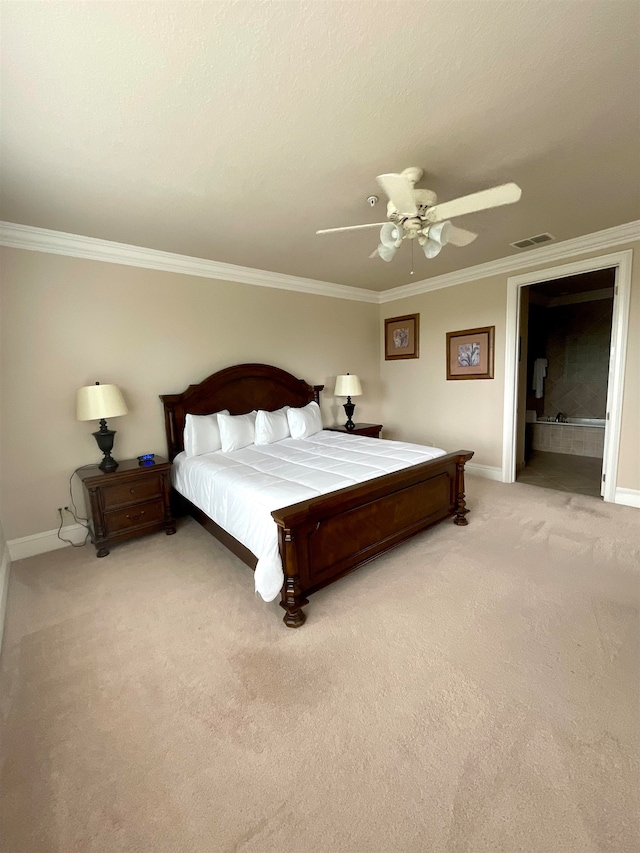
[(96, 402), (391, 235), (441, 232), (348, 386), (431, 248), (386, 253)]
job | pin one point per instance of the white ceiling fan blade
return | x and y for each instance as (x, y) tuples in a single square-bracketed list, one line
[(374, 254), (400, 192), (485, 199), (460, 237), (351, 227)]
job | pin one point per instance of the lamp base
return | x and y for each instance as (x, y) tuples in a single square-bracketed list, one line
[(108, 463), (104, 437), (349, 409)]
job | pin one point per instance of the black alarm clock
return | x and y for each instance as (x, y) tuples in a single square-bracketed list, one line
[(146, 459)]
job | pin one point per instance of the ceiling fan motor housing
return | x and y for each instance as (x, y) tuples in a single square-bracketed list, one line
[(424, 199)]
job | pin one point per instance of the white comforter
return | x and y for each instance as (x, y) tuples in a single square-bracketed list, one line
[(239, 490)]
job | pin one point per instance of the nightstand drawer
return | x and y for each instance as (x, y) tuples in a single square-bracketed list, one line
[(371, 432), (133, 516), (142, 489)]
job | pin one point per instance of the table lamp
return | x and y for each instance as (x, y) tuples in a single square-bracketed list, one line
[(99, 402), (348, 386)]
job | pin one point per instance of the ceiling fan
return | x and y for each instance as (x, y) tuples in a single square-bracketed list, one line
[(415, 215)]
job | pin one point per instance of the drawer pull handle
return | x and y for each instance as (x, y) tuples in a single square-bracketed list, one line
[(135, 517), (132, 491)]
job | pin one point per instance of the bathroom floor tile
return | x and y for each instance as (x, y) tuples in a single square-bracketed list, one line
[(563, 472)]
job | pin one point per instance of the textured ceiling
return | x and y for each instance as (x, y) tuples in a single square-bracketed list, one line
[(233, 130)]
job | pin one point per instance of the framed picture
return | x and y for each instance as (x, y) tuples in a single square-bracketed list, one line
[(470, 353), (402, 337)]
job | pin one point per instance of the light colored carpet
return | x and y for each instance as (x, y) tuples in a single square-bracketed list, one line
[(474, 690)]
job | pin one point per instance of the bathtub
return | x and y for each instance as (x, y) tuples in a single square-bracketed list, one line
[(599, 423), (577, 437)]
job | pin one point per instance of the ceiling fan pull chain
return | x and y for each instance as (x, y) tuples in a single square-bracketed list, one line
[(412, 257)]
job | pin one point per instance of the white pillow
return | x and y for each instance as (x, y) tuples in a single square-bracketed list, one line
[(201, 434), (272, 426), (237, 431), (305, 421)]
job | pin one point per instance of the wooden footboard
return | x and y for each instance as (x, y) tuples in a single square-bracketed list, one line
[(327, 537)]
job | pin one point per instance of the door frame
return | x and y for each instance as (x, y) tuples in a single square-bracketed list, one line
[(621, 262)]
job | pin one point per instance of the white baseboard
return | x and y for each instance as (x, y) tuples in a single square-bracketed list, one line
[(628, 497), (40, 543), (489, 472), (5, 567)]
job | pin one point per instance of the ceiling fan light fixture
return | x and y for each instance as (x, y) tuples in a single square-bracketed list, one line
[(391, 235), (431, 248), (386, 252), (441, 232)]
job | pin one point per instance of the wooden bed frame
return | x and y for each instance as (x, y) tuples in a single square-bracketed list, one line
[(324, 538)]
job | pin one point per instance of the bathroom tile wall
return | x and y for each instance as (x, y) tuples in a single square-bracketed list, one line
[(578, 340)]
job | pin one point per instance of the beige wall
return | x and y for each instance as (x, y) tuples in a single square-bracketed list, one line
[(419, 404), (68, 322), (3, 541)]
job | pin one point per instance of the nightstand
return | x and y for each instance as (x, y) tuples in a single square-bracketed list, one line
[(131, 501), (372, 430)]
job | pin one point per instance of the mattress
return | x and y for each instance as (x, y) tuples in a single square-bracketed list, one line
[(239, 490)]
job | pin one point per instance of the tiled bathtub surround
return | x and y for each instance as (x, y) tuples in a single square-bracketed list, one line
[(578, 340), (575, 439)]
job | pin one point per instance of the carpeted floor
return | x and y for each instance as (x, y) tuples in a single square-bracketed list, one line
[(474, 690)]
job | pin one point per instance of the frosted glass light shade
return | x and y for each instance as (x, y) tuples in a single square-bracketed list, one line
[(441, 232), (431, 248), (391, 235), (97, 402), (386, 253), (348, 386)]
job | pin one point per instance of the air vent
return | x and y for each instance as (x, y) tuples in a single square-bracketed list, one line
[(532, 241)]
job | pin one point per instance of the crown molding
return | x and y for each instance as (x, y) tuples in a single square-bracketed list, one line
[(609, 237), (91, 248)]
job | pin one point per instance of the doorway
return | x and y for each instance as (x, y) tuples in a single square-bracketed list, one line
[(516, 363), (566, 341)]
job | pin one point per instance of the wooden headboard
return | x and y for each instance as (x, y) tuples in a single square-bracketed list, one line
[(240, 389)]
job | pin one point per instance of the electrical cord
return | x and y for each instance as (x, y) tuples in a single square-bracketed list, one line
[(73, 512), (68, 541), (79, 519)]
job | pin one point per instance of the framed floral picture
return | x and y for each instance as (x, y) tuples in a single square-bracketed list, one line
[(470, 353), (402, 337)]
